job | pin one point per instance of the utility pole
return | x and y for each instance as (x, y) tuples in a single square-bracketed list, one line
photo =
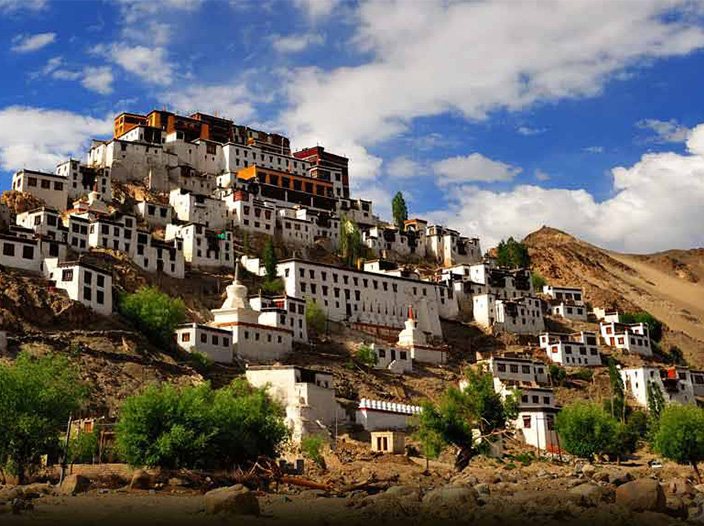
[(64, 460)]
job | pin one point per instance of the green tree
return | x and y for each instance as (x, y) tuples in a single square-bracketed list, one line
[(680, 435), (617, 401), (83, 449), (269, 260), (312, 447), (484, 402), (538, 281), (366, 355), (197, 427), (315, 317), (399, 211), (677, 356), (512, 254), (350, 241), (654, 325), (586, 429), (656, 404), (37, 395), (154, 313), (557, 374)]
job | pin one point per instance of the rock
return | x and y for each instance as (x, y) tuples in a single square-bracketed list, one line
[(482, 489), (676, 508), (74, 484), (450, 502), (601, 476), (619, 478), (699, 488), (588, 470), (590, 494), (394, 502), (141, 480), (312, 494), (574, 483), (681, 487), (19, 505), (642, 495), (11, 493), (178, 482), (236, 500)]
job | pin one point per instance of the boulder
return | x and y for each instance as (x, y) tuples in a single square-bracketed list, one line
[(38, 489), (676, 507), (235, 500), (450, 502), (590, 493), (588, 471), (642, 495), (10, 493), (19, 505), (601, 476), (397, 501), (482, 489), (74, 484), (617, 478), (141, 480), (681, 487)]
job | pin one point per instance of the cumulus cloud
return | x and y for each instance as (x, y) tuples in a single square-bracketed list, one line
[(528, 131), (656, 205), (594, 149), (403, 167), (39, 138), (98, 79), (473, 168), (296, 43), (316, 9), (513, 54), (665, 131), (11, 6), (233, 100), (29, 43), (540, 175), (151, 64)]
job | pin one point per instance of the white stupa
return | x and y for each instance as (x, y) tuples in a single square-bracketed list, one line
[(236, 307), (411, 336)]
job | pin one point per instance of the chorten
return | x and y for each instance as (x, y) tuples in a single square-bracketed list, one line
[(236, 307), (411, 336)]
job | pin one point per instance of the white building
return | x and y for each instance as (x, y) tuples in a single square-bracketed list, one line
[(203, 247), (449, 248), (77, 232), (283, 311), (568, 311), (676, 384), (118, 233), (44, 221), (414, 340), (154, 214), (521, 316), (84, 179), (213, 342), (633, 338), (307, 395), (197, 208), (536, 426), (608, 316), (576, 349), (376, 415), (566, 302), (391, 359), (22, 252), (85, 283), (364, 297), (248, 213), (567, 294), (511, 372), (50, 188)]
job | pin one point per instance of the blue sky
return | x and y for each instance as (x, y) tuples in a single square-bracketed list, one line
[(492, 117)]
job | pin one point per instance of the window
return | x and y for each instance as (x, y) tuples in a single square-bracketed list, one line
[(67, 275), (88, 277), (526, 422), (28, 252), (8, 249), (214, 340), (100, 297), (226, 342), (204, 338), (87, 294), (46, 185), (514, 368), (501, 367), (186, 337)]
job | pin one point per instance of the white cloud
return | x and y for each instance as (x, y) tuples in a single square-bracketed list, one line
[(594, 149), (403, 167), (665, 131), (472, 168), (234, 101), (29, 43), (39, 138), (656, 205), (98, 79), (316, 9), (513, 54), (540, 175), (150, 64), (11, 6), (296, 43), (135, 11), (527, 131)]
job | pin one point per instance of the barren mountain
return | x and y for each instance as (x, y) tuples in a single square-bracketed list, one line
[(669, 285)]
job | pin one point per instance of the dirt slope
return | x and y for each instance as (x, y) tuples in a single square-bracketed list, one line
[(669, 285)]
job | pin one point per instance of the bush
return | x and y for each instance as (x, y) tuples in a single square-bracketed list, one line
[(586, 430), (680, 435), (155, 314), (512, 254), (583, 374), (83, 449), (366, 356), (197, 427), (315, 317), (538, 282), (654, 325), (312, 447), (557, 374), (201, 361), (275, 286), (37, 395), (676, 356)]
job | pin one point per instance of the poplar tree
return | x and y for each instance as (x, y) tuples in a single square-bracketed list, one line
[(399, 211), (270, 261)]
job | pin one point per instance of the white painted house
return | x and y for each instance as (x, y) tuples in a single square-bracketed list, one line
[(576, 349), (520, 316), (203, 247), (676, 383), (50, 188), (83, 282), (376, 415), (214, 342), (283, 311), (154, 214), (633, 338), (197, 208), (84, 179)]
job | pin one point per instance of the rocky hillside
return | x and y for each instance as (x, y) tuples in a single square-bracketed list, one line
[(669, 285)]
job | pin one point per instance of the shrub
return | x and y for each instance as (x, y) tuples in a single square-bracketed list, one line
[(315, 317), (557, 374), (676, 356), (275, 286), (680, 435), (366, 356), (538, 281), (586, 429), (312, 447), (269, 260), (201, 361), (583, 374), (37, 395), (156, 314), (512, 254), (83, 449), (197, 427)]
